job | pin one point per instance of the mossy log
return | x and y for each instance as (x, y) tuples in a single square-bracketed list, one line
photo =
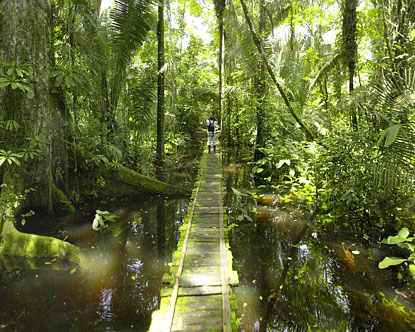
[(124, 181), (15, 243)]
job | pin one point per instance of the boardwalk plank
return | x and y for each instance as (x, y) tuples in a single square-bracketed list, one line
[(198, 298)]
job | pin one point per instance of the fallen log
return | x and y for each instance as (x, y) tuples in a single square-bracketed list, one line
[(15, 243), (124, 181)]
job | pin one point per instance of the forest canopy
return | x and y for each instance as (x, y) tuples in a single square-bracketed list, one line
[(316, 96)]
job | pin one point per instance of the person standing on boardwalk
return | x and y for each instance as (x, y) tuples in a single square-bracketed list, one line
[(211, 122)]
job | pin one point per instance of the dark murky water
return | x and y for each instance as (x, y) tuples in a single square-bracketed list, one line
[(118, 290), (293, 276), (297, 277)]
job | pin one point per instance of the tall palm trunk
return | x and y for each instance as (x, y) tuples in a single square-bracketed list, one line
[(260, 91), (350, 45), (160, 92), (219, 8)]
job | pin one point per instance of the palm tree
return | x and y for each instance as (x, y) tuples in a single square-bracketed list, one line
[(131, 21), (349, 33), (160, 91), (219, 9)]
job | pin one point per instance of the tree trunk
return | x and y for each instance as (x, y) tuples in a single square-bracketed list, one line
[(350, 45), (220, 64), (260, 92), (124, 181), (160, 92), (26, 38), (258, 44), (219, 8)]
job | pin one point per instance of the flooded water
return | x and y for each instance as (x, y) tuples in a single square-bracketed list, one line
[(297, 276), (120, 286)]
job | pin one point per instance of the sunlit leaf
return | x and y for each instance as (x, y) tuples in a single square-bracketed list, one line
[(407, 245), (389, 135), (391, 261), (404, 232)]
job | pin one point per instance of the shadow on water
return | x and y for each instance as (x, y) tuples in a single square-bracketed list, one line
[(296, 277), (118, 289)]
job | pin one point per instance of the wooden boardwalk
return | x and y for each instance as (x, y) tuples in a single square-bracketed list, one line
[(199, 296)]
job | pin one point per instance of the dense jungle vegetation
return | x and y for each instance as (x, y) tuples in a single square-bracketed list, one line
[(316, 97)]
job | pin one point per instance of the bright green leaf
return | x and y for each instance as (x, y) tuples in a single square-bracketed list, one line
[(390, 261), (404, 232)]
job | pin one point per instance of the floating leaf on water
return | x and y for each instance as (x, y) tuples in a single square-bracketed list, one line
[(390, 261), (72, 271)]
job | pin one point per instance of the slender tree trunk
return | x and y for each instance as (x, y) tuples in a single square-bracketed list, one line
[(386, 35), (350, 45), (258, 44), (260, 92), (219, 8), (220, 60), (160, 92), (173, 70)]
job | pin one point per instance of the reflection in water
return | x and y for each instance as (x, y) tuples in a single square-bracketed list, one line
[(161, 232), (316, 281), (117, 291), (313, 286)]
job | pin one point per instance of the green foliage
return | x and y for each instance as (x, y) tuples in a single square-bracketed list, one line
[(17, 76), (403, 241), (68, 78), (131, 21), (241, 204), (288, 167), (10, 125), (389, 135), (101, 219), (9, 157)]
